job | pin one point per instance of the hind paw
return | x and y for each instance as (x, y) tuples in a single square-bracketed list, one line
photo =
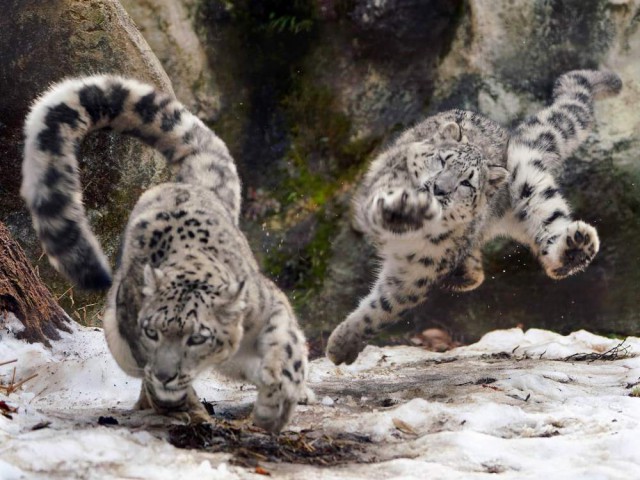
[(344, 344), (468, 276), (572, 252)]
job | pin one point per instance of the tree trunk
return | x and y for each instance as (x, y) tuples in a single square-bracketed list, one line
[(23, 294)]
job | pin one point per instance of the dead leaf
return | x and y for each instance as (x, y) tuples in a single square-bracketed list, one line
[(6, 408), (403, 426), (262, 471)]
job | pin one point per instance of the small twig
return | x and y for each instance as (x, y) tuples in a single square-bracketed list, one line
[(8, 362), (13, 386), (619, 351)]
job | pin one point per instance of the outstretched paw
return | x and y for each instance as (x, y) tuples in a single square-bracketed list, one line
[(573, 251), (402, 210), (344, 344), (281, 386)]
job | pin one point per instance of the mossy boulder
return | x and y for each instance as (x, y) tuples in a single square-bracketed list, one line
[(42, 43), (500, 60), (311, 90)]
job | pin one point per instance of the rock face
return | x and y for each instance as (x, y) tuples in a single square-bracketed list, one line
[(44, 42), (306, 93), (372, 68), (169, 28), (502, 62)]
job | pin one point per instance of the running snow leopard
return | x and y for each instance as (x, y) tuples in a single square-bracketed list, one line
[(188, 294), (456, 180)]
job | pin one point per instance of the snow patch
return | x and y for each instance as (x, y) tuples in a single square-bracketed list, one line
[(508, 404)]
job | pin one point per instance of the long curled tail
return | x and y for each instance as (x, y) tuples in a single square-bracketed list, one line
[(55, 127), (554, 133)]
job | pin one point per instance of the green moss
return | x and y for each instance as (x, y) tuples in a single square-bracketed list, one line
[(304, 271)]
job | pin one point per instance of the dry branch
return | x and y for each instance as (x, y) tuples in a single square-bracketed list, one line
[(616, 353)]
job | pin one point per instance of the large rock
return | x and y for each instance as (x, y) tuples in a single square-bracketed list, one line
[(42, 43), (168, 26), (500, 59), (308, 95)]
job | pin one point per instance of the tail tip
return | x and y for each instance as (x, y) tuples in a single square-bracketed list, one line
[(95, 279), (612, 82)]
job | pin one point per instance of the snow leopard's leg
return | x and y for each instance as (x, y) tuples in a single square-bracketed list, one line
[(467, 276), (282, 372), (395, 211), (563, 246), (391, 296), (388, 203)]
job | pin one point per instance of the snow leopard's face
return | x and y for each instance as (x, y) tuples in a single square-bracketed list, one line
[(187, 322), (456, 174)]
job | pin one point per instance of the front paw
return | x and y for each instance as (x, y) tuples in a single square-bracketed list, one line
[(274, 407), (193, 416), (403, 210), (572, 252), (281, 386), (344, 344)]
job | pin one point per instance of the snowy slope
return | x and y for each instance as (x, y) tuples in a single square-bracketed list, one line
[(507, 405)]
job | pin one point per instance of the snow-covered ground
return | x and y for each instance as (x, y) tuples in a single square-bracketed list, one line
[(508, 405)]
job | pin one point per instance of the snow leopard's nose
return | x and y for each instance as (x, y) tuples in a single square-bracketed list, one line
[(438, 191), (165, 377)]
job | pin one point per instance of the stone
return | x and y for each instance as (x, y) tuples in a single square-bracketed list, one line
[(42, 43), (169, 27)]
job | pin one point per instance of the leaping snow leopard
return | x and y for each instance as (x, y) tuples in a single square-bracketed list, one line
[(188, 294), (456, 180)]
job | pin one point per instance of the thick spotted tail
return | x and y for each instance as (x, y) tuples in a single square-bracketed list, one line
[(554, 133), (54, 129)]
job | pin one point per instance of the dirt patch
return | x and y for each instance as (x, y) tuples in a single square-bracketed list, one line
[(250, 446)]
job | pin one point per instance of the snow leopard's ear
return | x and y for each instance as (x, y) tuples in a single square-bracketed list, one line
[(229, 297), (451, 131), (496, 176), (152, 279)]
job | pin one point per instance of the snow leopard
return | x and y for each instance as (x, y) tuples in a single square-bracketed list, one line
[(188, 294), (457, 180)]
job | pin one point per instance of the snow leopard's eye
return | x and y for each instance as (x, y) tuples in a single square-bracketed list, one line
[(151, 333), (466, 183), (196, 340), (199, 338)]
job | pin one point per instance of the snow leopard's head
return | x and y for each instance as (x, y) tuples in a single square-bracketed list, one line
[(455, 172), (190, 319)]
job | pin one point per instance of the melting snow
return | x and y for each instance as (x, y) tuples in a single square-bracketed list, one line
[(510, 405)]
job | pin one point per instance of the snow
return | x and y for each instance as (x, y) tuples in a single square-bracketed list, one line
[(509, 404)]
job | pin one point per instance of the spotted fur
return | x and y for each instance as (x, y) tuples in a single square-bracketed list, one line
[(456, 180), (188, 294)]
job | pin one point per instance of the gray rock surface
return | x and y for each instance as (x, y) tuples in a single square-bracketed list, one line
[(501, 59), (305, 93), (44, 42), (168, 26)]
